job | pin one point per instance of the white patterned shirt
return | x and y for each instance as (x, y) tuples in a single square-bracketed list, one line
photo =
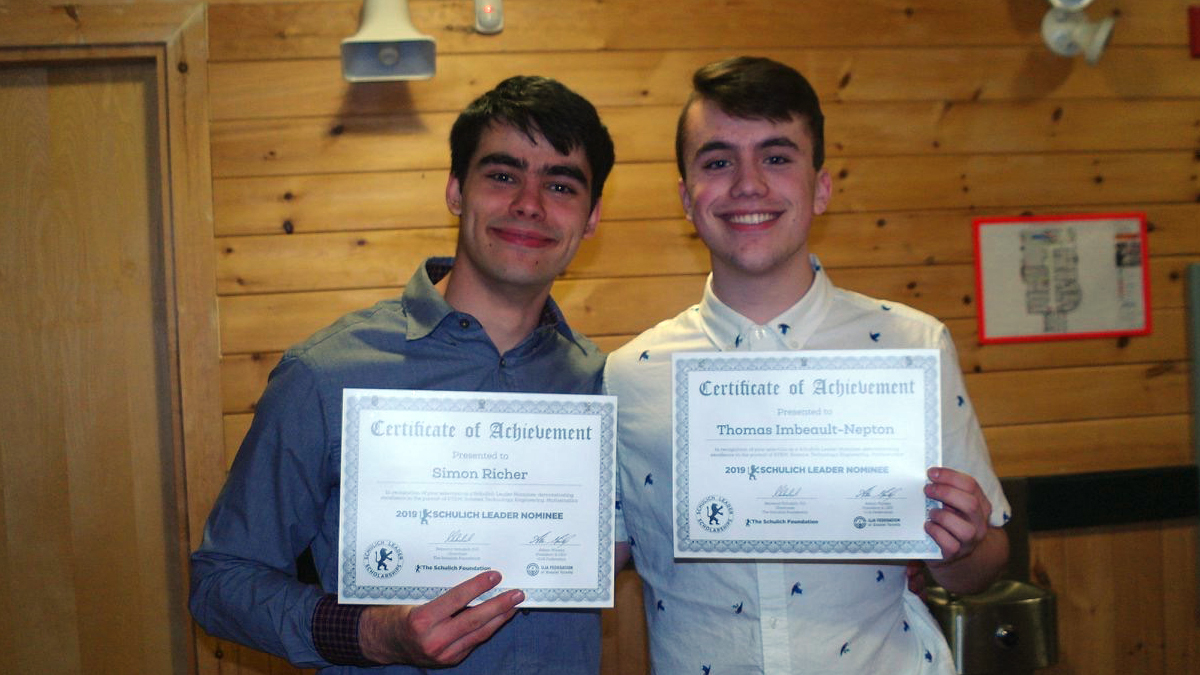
[(725, 618)]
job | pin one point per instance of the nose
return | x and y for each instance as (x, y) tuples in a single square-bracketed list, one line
[(749, 181), (527, 203)]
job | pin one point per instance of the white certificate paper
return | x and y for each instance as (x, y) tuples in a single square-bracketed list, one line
[(818, 454), (438, 486)]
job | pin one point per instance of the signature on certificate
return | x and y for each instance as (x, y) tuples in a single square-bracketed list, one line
[(546, 539), (786, 491), (459, 537), (871, 493)]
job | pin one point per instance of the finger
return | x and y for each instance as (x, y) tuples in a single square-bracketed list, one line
[(949, 545), (460, 648), (944, 476), (438, 639), (960, 528), (458, 597), (971, 503)]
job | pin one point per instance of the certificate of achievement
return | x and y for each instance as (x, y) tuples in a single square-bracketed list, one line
[(438, 486), (818, 454)]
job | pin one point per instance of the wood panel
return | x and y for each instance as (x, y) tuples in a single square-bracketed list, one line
[(913, 182), (285, 30), (416, 140), (372, 258), (1051, 448), (87, 453), (1111, 618), (243, 376), (315, 88), (625, 306)]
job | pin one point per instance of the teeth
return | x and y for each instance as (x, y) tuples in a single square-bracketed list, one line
[(750, 218)]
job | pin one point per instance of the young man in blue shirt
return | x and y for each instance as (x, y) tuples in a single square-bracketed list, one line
[(528, 163)]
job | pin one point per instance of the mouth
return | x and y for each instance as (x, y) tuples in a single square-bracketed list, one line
[(522, 237), (753, 220)]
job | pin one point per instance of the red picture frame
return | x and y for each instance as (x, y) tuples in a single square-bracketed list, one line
[(1061, 277)]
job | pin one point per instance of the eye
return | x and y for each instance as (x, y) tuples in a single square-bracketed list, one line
[(501, 177), (779, 159), (714, 164), (562, 188)]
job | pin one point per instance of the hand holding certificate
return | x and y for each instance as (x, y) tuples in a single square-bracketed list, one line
[(805, 455), (439, 486)]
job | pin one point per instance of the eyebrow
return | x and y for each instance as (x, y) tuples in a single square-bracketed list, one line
[(563, 170), (773, 142)]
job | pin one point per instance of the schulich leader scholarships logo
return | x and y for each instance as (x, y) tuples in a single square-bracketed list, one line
[(383, 559)]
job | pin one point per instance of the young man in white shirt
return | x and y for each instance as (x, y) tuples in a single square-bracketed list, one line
[(749, 145)]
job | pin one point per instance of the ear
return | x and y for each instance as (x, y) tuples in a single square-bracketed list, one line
[(822, 192), (685, 199), (454, 195), (593, 221)]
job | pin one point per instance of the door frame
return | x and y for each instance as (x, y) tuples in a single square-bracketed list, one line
[(175, 36)]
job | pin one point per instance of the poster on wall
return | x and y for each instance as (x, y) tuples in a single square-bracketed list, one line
[(1061, 277)]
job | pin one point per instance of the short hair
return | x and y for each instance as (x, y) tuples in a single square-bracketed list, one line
[(535, 105), (752, 87)]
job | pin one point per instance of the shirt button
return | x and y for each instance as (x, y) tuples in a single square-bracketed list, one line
[(464, 324), (503, 362)]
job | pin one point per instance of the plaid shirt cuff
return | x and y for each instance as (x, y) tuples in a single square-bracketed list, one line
[(335, 632)]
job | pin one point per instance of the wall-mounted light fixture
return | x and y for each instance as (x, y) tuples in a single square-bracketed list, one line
[(387, 47), (1067, 30)]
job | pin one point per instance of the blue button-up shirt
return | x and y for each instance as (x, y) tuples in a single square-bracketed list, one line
[(283, 490)]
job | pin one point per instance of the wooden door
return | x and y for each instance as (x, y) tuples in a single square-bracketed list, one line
[(108, 366), (86, 457)]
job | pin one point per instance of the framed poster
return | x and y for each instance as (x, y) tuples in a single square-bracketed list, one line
[(1061, 277)]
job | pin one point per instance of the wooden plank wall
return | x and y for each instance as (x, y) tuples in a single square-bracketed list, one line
[(326, 196)]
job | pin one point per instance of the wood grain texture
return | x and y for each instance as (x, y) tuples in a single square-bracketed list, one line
[(313, 87), (250, 31)]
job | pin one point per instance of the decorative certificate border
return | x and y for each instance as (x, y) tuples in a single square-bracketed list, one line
[(784, 362), (466, 402), (1062, 277)]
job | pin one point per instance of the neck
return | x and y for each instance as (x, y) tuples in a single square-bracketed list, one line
[(761, 297), (508, 315)]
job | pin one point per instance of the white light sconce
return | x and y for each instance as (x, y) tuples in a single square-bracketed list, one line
[(388, 48), (1067, 30)]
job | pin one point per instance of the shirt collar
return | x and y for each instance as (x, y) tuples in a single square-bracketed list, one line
[(426, 309), (730, 331)]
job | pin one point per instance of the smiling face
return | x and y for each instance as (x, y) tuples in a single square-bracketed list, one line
[(523, 209), (751, 191)]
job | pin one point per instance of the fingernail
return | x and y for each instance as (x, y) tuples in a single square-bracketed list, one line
[(493, 577)]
